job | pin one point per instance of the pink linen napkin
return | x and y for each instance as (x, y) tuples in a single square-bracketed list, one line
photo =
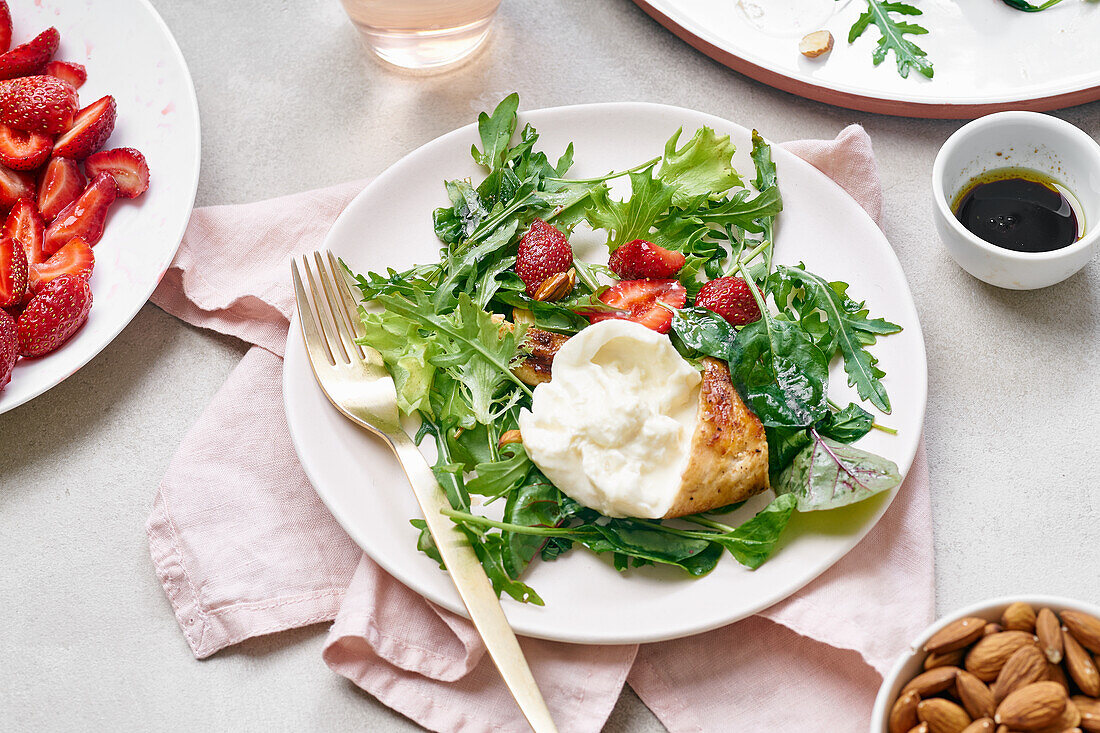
[(243, 546)]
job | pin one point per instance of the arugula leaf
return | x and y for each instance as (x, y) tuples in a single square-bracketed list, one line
[(705, 331), (827, 474), (700, 169), (781, 375), (907, 54), (496, 131), (766, 178), (633, 218), (478, 353), (742, 211), (783, 445), (850, 330), (501, 476), (1028, 7)]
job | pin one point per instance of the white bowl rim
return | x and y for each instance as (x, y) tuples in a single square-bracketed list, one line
[(973, 127), (883, 700)]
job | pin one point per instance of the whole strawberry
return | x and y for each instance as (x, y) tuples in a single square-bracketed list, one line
[(543, 251), (639, 259), (51, 318), (9, 347), (43, 104), (730, 298)]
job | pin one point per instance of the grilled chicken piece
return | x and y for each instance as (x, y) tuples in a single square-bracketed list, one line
[(728, 461), (541, 345)]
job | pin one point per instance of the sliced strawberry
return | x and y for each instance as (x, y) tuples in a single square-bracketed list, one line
[(9, 347), (62, 183), (31, 57), (543, 251), (5, 27), (637, 300), (75, 258), (126, 165), (14, 185), (68, 71), (639, 259), (23, 151), (13, 272), (25, 226), (91, 128), (54, 315), (730, 298), (38, 104), (84, 217)]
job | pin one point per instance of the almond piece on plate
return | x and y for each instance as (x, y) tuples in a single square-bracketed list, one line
[(1025, 666), (815, 44), (1085, 628), (903, 716), (956, 635), (556, 286), (1019, 616), (1081, 666), (1037, 706), (1049, 631), (975, 695), (942, 716), (985, 659)]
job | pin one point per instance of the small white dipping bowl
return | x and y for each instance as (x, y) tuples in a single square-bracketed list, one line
[(1017, 140), (911, 662)]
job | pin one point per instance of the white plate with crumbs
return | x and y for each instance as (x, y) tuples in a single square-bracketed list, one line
[(390, 225)]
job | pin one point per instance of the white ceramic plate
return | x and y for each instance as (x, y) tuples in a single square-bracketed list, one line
[(390, 225), (987, 56), (130, 54)]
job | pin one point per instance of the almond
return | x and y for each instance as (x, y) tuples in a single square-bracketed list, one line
[(1055, 673), (929, 683), (556, 286), (1081, 667), (946, 659), (1019, 616), (1089, 709), (1034, 707), (509, 436), (1026, 665), (991, 652), (981, 725), (1049, 632), (1085, 628), (903, 716), (975, 696), (992, 628), (814, 44), (956, 635), (942, 716), (922, 728)]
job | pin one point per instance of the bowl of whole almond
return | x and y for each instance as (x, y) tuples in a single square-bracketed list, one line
[(1026, 664)]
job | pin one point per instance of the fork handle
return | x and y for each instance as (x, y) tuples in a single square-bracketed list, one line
[(473, 586)]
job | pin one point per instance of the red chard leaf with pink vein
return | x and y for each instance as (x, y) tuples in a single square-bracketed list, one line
[(827, 475)]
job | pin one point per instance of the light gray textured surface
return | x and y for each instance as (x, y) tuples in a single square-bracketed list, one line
[(290, 101)]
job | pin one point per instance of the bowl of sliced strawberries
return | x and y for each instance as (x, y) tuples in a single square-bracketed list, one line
[(85, 226)]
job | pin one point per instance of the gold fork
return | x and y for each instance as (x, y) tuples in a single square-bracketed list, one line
[(356, 382)]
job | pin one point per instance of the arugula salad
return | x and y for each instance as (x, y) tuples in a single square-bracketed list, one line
[(453, 332), (892, 30)]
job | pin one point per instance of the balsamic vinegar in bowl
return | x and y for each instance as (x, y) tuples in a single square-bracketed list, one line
[(1020, 209)]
